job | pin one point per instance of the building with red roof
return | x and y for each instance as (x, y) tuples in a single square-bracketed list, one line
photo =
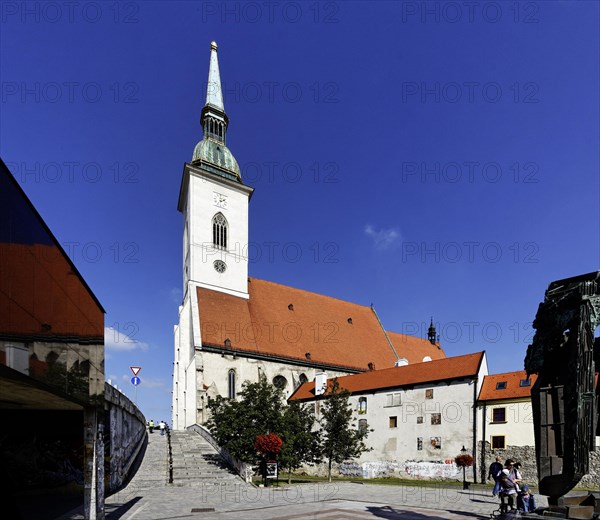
[(233, 328), (420, 416), (504, 409)]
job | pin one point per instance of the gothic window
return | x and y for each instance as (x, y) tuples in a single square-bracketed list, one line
[(231, 384), (302, 379), (280, 382), (362, 405), (220, 227)]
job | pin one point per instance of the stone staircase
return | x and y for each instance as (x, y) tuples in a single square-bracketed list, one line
[(196, 462)]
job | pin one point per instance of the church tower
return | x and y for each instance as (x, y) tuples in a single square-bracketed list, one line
[(214, 203)]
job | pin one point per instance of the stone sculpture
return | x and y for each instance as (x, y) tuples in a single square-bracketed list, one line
[(565, 397)]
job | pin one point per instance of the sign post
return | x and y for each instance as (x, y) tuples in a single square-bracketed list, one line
[(135, 380)]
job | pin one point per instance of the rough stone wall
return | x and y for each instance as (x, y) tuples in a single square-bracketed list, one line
[(127, 435), (523, 454), (592, 479), (526, 456)]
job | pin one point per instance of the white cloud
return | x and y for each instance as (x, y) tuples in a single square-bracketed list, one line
[(118, 341), (382, 238)]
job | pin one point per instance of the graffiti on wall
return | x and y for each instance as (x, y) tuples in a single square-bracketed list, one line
[(447, 469), (377, 469)]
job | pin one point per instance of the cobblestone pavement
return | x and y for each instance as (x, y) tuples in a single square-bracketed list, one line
[(150, 497), (306, 501)]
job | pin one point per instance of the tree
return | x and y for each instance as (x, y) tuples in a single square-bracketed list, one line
[(236, 424), (300, 443), (341, 439)]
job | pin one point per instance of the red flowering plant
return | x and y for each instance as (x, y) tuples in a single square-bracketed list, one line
[(269, 444), (464, 460)]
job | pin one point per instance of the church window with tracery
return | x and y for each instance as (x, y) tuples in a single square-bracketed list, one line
[(220, 231), (231, 384)]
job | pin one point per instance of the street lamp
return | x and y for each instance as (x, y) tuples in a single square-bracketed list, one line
[(464, 451)]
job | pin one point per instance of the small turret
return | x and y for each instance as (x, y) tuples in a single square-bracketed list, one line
[(431, 335)]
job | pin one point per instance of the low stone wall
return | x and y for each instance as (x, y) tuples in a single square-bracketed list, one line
[(592, 479), (127, 436), (526, 456), (523, 454), (243, 470)]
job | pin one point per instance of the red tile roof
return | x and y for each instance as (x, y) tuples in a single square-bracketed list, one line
[(513, 389), (415, 349), (314, 329), (408, 375)]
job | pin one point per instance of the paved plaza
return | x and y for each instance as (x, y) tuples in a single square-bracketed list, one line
[(149, 497)]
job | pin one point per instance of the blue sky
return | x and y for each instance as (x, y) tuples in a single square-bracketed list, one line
[(432, 159)]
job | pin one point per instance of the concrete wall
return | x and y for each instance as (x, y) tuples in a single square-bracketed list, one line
[(125, 427)]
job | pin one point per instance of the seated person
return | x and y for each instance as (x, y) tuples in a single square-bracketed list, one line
[(526, 500)]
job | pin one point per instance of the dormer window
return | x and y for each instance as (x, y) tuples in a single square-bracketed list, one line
[(501, 385), (219, 231), (525, 382)]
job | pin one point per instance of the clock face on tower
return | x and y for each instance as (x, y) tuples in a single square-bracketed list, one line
[(220, 200)]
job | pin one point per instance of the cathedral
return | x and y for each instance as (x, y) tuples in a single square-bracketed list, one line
[(233, 328)]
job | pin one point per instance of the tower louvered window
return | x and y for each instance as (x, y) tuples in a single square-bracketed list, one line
[(220, 231)]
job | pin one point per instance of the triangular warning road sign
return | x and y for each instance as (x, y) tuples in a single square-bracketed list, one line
[(135, 370)]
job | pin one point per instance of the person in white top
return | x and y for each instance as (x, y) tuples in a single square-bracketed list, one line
[(162, 426)]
